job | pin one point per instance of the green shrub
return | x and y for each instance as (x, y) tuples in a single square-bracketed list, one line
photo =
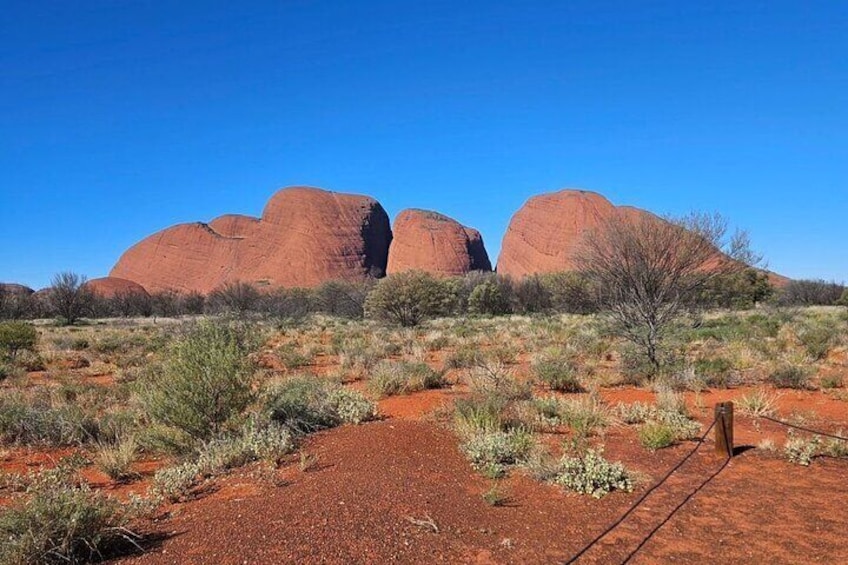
[(790, 376), (464, 357), (402, 377), (758, 403), (558, 373), (656, 435), (589, 473), (492, 452), (207, 380), (409, 297), (15, 336), (257, 441), (717, 371), (116, 460), (489, 298), (480, 413), (61, 520), (306, 404), (33, 417), (818, 337)]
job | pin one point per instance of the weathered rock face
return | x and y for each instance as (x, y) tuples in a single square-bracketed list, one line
[(305, 236), (544, 234), (435, 243), (108, 287), (15, 289)]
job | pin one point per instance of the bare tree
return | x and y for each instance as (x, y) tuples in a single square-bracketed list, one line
[(69, 297), (648, 271)]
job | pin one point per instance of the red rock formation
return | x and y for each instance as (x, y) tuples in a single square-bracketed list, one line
[(435, 243), (306, 236), (544, 234), (15, 289), (108, 287)]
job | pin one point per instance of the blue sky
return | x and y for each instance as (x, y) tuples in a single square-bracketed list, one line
[(120, 118)]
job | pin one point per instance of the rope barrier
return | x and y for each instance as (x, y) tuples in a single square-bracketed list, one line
[(802, 428), (673, 512), (645, 495)]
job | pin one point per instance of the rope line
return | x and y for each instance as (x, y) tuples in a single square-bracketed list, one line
[(802, 428), (642, 498), (674, 511)]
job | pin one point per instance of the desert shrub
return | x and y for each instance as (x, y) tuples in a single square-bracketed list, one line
[(569, 292), (37, 416), (480, 413), (493, 451), (530, 295), (801, 450), (490, 298), (234, 298), (493, 378), (559, 373), (306, 404), (409, 297), (635, 413), (61, 520), (342, 298), (790, 376), (256, 441), (656, 435), (15, 336), (292, 357), (116, 460), (737, 290), (584, 415), (590, 473), (818, 337), (831, 381), (843, 299), (207, 379), (758, 403), (464, 357), (811, 293), (393, 377), (717, 371)]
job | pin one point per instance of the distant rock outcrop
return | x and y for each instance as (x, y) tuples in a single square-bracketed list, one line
[(109, 287), (544, 234), (15, 289), (429, 241), (305, 236)]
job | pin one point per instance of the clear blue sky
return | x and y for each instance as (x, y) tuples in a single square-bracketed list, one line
[(120, 118)]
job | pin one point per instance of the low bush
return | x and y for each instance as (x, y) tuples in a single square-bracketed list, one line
[(42, 417), (492, 452), (306, 404), (656, 435), (257, 441), (790, 376), (61, 520), (15, 336), (402, 377), (801, 450), (207, 379), (558, 373), (116, 460), (758, 403), (590, 473)]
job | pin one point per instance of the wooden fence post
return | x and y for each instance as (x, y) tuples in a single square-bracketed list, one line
[(724, 429)]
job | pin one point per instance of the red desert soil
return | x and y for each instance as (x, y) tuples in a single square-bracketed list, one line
[(356, 504)]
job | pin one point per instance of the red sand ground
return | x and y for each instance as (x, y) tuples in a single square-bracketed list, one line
[(357, 503)]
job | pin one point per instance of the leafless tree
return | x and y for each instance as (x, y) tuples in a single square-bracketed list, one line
[(648, 271), (69, 297)]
